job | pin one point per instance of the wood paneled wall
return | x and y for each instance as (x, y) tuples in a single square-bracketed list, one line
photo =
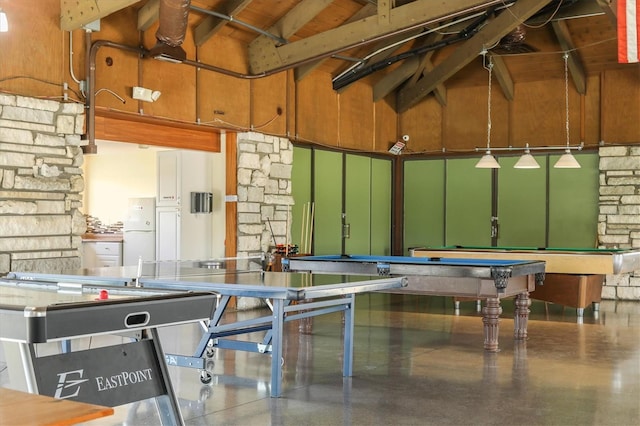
[(35, 62)]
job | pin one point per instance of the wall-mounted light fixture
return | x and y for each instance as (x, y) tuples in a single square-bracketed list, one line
[(146, 95), (4, 23)]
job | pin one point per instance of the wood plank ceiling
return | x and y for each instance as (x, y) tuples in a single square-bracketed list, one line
[(409, 49)]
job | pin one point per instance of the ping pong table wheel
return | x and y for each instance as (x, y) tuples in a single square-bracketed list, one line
[(205, 377), (210, 352)]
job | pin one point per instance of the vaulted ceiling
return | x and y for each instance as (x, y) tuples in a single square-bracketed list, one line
[(402, 48)]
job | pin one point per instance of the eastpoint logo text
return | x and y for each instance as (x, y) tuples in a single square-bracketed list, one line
[(124, 378)]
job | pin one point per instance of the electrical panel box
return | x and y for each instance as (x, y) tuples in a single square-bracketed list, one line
[(201, 202)]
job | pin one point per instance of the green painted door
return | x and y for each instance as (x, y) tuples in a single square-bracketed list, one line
[(381, 207), (358, 204), (327, 232), (424, 203), (468, 203), (522, 204), (573, 203)]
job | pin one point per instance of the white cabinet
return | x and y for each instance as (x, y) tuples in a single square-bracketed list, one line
[(169, 178), (168, 233), (180, 234), (98, 254)]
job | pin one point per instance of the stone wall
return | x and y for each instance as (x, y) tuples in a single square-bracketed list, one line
[(619, 217), (264, 192), (40, 184), (264, 196)]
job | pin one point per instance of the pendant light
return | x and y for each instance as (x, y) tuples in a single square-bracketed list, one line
[(567, 160), (527, 161), (488, 161)]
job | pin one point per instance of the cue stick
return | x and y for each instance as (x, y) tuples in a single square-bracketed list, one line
[(286, 235), (272, 236), (313, 205), (303, 228)]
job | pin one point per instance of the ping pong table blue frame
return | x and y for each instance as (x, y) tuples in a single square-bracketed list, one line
[(310, 301)]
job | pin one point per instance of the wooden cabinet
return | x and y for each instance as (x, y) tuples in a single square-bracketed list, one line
[(98, 254)]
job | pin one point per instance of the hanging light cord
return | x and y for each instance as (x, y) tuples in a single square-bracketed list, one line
[(566, 94), (489, 67)]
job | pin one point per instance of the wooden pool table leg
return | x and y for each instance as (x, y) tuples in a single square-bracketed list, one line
[(491, 320), (521, 316)]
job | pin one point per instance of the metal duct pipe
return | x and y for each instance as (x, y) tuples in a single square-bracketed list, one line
[(174, 16)]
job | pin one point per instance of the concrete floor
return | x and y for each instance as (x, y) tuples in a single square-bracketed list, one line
[(417, 362)]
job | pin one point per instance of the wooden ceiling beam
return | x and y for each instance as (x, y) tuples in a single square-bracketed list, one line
[(576, 68), (269, 57), (609, 9), (409, 69), (490, 34), (503, 76), (425, 59), (305, 69), (262, 48), (297, 18), (381, 54), (148, 14), (581, 9), (394, 79), (410, 72), (212, 24), (384, 12), (75, 14)]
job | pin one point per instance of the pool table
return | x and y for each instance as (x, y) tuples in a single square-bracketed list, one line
[(478, 278), (574, 277)]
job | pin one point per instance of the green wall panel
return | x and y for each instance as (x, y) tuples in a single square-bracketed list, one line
[(381, 207), (424, 209), (573, 203), (327, 231), (522, 204), (468, 203), (300, 191), (358, 203)]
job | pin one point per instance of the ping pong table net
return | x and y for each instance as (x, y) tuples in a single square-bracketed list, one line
[(190, 268)]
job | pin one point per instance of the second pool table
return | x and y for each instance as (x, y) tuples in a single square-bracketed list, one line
[(574, 276)]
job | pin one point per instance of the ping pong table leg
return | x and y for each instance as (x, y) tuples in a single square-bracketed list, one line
[(349, 320), (277, 329)]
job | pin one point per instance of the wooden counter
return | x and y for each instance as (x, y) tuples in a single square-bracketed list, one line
[(21, 408), (110, 238)]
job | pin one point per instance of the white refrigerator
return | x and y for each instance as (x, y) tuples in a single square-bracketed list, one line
[(139, 231)]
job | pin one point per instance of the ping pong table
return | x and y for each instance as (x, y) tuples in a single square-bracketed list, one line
[(291, 297)]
